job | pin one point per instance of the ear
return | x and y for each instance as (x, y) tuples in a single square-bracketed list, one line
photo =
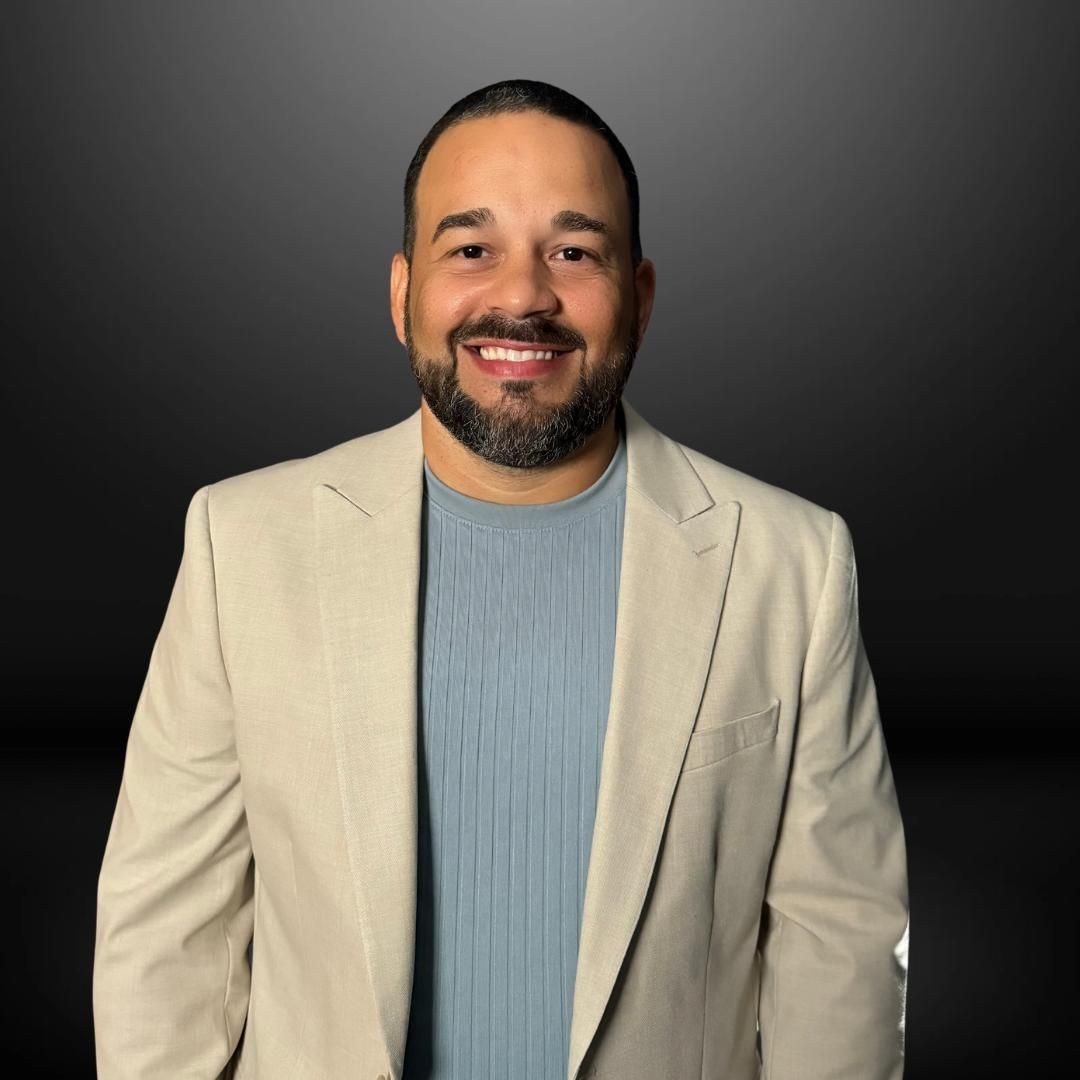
[(399, 281), (645, 289)]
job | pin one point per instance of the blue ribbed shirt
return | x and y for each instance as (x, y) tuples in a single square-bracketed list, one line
[(517, 617)]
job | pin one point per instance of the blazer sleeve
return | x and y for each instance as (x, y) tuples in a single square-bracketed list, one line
[(834, 937), (174, 897)]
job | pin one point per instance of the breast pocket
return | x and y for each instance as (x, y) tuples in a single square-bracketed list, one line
[(718, 741)]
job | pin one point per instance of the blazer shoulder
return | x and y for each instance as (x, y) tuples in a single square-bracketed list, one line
[(776, 518), (294, 477), (757, 495)]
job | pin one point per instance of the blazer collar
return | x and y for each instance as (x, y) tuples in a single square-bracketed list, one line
[(655, 466)]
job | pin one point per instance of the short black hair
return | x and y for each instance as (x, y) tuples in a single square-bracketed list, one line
[(521, 95)]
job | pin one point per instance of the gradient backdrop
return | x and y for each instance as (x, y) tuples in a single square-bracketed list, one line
[(864, 221)]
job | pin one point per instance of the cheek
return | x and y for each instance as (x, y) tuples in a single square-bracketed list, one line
[(443, 305), (597, 310)]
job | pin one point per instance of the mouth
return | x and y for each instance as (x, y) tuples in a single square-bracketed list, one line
[(517, 360), (515, 351)]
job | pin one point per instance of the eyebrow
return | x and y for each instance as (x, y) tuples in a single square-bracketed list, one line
[(563, 221)]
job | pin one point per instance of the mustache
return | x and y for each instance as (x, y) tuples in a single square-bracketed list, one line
[(540, 331)]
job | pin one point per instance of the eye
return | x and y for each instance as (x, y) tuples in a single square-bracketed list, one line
[(576, 254)]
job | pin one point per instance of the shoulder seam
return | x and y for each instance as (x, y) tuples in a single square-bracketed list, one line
[(217, 596)]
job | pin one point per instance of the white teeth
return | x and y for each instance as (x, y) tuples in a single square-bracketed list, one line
[(489, 353)]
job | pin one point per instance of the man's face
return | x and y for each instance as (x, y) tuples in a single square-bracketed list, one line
[(514, 200)]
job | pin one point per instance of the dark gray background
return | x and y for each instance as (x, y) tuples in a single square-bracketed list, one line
[(864, 221)]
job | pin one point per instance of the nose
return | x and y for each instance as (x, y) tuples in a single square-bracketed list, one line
[(522, 286)]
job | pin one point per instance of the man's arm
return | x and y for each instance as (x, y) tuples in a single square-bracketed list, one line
[(835, 924), (174, 899)]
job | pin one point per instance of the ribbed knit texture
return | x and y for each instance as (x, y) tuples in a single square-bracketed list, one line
[(518, 635)]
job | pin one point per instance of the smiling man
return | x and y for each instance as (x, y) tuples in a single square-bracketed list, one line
[(516, 739)]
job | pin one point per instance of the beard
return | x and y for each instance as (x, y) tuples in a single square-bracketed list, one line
[(520, 432)]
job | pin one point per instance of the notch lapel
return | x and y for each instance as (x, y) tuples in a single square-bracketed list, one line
[(368, 525), (677, 551)]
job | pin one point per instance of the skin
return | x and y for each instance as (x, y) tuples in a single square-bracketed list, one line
[(521, 440)]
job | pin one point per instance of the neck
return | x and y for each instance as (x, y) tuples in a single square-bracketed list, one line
[(461, 469)]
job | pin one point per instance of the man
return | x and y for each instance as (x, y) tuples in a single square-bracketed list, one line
[(522, 740)]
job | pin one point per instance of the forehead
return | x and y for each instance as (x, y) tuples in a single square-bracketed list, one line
[(524, 163)]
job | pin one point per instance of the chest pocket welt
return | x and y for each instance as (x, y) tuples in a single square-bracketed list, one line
[(719, 741)]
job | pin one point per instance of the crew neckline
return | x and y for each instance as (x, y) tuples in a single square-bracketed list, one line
[(604, 490)]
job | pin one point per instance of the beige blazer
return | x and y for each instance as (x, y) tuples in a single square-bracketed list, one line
[(748, 862)]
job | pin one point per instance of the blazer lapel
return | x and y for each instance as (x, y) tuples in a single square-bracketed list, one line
[(368, 547), (677, 552)]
